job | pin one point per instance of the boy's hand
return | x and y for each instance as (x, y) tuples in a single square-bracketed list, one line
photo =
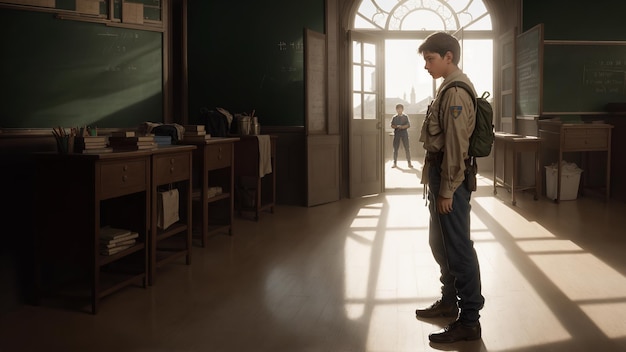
[(444, 205)]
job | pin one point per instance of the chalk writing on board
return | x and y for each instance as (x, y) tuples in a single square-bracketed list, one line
[(296, 46), (605, 76)]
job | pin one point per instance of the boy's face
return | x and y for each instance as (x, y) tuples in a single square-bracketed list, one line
[(399, 110), (436, 65)]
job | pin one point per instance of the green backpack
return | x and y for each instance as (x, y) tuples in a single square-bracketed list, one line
[(481, 140)]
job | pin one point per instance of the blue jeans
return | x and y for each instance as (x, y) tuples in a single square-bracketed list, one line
[(450, 243)]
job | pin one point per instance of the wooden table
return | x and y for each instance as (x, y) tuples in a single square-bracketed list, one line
[(77, 195), (507, 148), (261, 190), (213, 166)]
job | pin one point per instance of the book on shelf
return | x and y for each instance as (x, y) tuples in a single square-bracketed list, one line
[(194, 128), (123, 134), (90, 139), (91, 145), (97, 150), (111, 251), (111, 233), (123, 242), (127, 237), (114, 139), (196, 138), (194, 133), (163, 140), (132, 147)]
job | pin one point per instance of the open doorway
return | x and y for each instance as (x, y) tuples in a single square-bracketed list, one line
[(406, 83)]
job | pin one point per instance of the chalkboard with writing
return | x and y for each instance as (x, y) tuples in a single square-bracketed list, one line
[(529, 72), (71, 73), (583, 77), (250, 60)]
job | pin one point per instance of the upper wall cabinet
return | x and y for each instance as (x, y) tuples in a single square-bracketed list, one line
[(143, 14)]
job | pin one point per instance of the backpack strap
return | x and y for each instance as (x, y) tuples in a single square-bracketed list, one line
[(466, 87)]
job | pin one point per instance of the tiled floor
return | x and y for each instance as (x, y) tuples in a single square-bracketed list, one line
[(347, 276)]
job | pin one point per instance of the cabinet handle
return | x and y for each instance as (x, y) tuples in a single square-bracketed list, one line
[(171, 170), (172, 160), (124, 178), (125, 167)]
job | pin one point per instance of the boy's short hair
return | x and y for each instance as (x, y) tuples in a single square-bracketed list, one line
[(441, 43), (399, 106)]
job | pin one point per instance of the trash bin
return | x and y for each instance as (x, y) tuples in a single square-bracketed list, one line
[(570, 179)]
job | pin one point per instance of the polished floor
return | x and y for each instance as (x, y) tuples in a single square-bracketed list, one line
[(347, 277)]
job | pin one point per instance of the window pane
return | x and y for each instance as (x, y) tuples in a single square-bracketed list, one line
[(369, 79), (369, 106), (356, 106), (369, 53), (356, 52), (356, 78)]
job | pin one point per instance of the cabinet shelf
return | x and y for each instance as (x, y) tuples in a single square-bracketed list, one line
[(106, 259), (171, 168), (197, 197), (174, 229)]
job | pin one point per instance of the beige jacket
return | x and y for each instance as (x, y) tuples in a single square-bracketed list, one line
[(450, 132)]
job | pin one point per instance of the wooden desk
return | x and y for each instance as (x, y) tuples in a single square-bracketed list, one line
[(213, 162), (171, 169), (506, 149), (77, 194), (260, 190), (577, 137)]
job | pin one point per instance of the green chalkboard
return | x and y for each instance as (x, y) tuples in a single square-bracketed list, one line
[(583, 77), (72, 73), (250, 60), (529, 72)]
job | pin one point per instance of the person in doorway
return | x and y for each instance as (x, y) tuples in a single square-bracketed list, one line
[(445, 135), (400, 124)]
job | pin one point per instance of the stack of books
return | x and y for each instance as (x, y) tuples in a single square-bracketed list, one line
[(91, 145), (128, 141), (163, 140), (195, 133), (114, 240)]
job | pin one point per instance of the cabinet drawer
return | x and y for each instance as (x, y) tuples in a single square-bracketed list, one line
[(218, 156), (123, 177), (171, 168), (585, 139)]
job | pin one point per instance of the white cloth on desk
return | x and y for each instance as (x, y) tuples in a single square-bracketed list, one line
[(265, 155)]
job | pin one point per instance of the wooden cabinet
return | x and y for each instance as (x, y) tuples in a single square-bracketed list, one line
[(171, 169), (577, 137), (213, 187), (77, 195), (255, 192)]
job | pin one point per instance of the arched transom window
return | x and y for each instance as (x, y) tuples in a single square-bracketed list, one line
[(416, 15)]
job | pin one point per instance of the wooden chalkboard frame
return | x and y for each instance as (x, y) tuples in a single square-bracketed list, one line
[(529, 73)]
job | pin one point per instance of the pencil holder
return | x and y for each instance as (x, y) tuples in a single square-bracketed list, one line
[(65, 144)]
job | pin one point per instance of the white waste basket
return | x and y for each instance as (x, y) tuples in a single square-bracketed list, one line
[(570, 179)]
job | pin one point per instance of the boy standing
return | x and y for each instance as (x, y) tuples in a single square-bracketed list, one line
[(400, 124), (445, 134)]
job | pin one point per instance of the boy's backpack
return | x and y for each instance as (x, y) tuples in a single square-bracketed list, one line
[(481, 140)]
